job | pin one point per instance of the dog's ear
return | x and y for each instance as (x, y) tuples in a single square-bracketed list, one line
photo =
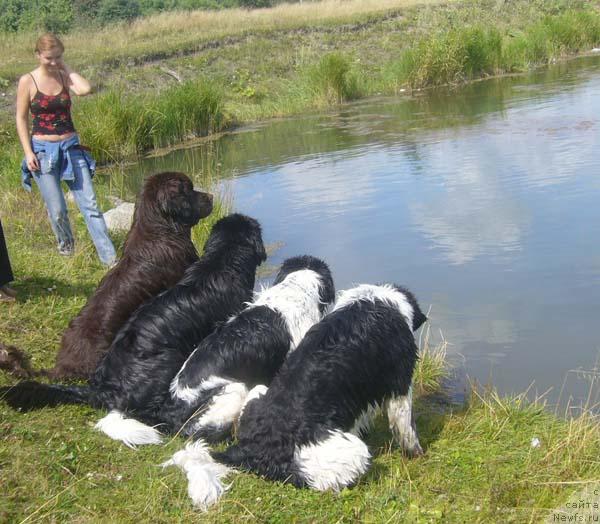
[(256, 239), (259, 247), (418, 317)]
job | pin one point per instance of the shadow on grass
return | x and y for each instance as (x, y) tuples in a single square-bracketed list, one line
[(431, 413), (34, 287)]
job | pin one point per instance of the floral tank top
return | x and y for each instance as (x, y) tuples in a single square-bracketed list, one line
[(51, 113)]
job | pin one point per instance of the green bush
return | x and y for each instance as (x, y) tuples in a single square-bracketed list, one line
[(37, 15), (111, 11), (253, 4)]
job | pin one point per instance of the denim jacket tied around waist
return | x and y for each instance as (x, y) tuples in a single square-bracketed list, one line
[(57, 153)]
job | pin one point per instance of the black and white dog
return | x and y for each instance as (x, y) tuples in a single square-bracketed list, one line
[(305, 427), (155, 342), (246, 351)]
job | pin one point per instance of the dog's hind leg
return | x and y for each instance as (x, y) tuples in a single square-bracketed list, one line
[(335, 462), (216, 421), (399, 413), (253, 394)]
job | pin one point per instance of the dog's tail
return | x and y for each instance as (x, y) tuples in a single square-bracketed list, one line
[(205, 470), (16, 362), (30, 395), (203, 473), (330, 464), (128, 430)]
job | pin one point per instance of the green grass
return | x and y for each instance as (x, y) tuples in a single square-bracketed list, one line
[(479, 466)]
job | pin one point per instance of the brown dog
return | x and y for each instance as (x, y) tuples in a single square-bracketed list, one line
[(157, 251)]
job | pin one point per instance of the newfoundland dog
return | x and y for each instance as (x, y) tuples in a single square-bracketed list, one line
[(158, 249), (305, 428), (246, 351), (155, 342)]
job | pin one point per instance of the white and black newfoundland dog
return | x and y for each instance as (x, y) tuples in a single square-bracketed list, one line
[(157, 251), (155, 342), (209, 391), (305, 428)]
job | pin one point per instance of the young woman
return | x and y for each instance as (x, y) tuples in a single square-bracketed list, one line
[(52, 150)]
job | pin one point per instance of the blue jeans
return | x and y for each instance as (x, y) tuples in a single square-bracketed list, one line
[(48, 181)]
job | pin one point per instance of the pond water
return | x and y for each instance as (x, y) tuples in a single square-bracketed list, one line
[(483, 200)]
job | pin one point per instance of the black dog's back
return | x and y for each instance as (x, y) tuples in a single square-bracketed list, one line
[(251, 347), (147, 353)]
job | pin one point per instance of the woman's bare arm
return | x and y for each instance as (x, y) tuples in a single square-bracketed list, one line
[(79, 85), (22, 118)]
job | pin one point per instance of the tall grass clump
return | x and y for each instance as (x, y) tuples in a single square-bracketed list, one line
[(551, 38), (189, 110), (432, 368), (116, 125), (458, 55), (332, 79), (449, 57)]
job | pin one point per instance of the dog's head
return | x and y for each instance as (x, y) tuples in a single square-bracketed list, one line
[(238, 230), (326, 288), (170, 197), (418, 317)]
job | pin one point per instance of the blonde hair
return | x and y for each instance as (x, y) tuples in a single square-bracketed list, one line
[(48, 42)]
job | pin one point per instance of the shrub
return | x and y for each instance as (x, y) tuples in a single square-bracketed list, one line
[(118, 10), (253, 4), (39, 15)]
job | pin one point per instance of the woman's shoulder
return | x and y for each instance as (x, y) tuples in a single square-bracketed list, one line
[(26, 79)]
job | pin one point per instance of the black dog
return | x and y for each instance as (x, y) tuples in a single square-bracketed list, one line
[(304, 429), (155, 342), (246, 351)]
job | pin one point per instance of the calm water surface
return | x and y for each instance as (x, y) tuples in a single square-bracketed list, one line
[(482, 200)]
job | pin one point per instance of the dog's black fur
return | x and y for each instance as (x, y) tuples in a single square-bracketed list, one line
[(152, 346), (249, 349), (157, 251), (358, 356)]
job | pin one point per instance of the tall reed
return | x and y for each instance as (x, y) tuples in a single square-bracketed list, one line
[(116, 124)]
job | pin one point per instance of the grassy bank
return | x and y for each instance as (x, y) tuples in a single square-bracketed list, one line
[(482, 463)]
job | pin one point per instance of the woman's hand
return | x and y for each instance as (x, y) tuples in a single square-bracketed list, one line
[(79, 85), (32, 162), (61, 66)]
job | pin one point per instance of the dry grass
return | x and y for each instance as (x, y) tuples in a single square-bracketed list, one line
[(166, 33)]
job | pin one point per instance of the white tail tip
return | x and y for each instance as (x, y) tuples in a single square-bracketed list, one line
[(204, 474), (129, 431)]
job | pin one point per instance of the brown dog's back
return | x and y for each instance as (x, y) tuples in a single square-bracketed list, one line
[(157, 251)]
